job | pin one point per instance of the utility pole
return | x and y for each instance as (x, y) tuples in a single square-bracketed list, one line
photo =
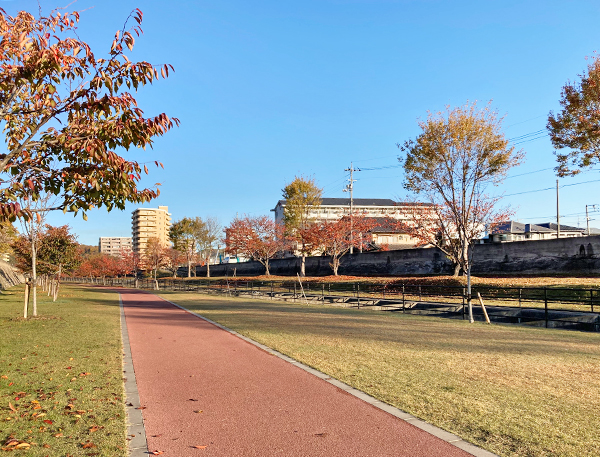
[(587, 217), (557, 214), (350, 188)]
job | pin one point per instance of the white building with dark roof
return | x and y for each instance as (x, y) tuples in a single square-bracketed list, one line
[(332, 209), (518, 231)]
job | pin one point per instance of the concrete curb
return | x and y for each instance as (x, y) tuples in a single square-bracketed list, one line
[(431, 429), (136, 433)]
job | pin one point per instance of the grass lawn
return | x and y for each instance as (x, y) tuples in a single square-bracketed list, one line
[(515, 391), (61, 387)]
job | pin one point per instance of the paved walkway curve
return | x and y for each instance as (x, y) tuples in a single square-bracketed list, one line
[(199, 385)]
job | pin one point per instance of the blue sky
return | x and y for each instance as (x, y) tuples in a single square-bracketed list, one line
[(266, 90)]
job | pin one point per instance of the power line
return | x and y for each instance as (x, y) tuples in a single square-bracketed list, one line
[(551, 188), (529, 173), (522, 122)]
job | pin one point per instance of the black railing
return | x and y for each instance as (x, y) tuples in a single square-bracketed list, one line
[(575, 308)]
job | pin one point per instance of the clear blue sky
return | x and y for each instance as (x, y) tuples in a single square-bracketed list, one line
[(267, 90)]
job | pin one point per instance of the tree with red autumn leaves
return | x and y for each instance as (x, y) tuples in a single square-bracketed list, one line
[(57, 251), (334, 238), (259, 238), (64, 111), (174, 259), (155, 256)]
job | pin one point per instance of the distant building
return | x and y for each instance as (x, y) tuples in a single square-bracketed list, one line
[(388, 235), (332, 209), (149, 223), (114, 245), (518, 231)]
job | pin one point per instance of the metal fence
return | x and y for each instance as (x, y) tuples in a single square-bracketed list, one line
[(574, 308)]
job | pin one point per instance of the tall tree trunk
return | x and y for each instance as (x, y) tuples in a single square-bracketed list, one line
[(303, 265), (208, 265), (33, 272), (189, 267), (266, 264)]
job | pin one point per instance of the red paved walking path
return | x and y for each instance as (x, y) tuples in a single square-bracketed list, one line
[(252, 403)]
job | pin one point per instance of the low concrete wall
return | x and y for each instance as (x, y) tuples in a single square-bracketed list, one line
[(567, 255), (9, 276)]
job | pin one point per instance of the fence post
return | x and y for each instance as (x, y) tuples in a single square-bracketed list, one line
[(463, 303), (420, 297), (294, 292), (358, 295), (272, 290), (323, 292), (592, 299), (403, 299), (520, 291), (546, 305)]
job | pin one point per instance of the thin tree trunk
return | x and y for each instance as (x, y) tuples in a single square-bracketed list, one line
[(33, 272), (267, 268), (335, 264), (57, 282), (208, 266), (303, 265), (189, 267), (26, 299)]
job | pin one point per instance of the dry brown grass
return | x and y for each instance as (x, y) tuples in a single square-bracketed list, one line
[(506, 281), (515, 391)]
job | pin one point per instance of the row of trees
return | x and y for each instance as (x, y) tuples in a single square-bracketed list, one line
[(262, 239)]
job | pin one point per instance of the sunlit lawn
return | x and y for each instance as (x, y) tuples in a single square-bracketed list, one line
[(61, 388), (512, 390)]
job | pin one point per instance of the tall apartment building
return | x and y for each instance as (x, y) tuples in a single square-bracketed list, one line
[(112, 245), (149, 223)]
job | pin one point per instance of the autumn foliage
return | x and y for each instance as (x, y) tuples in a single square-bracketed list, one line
[(575, 130), (258, 238), (452, 162), (64, 111), (57, 250), (334, 238)]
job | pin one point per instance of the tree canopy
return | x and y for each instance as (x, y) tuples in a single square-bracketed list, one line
[(301, 195), (451, 162), (186, 235), (65, 112), (258, 238), (576, 128), (57, 249)]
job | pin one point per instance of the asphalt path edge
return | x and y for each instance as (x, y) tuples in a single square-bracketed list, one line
[(136, 432), (425, 426)]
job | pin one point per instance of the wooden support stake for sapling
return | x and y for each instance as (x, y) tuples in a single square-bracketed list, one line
[(26, 299), (302, 289), (487, 318)]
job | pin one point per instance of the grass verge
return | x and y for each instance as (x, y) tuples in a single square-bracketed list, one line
[(512, 390), (61, 387)]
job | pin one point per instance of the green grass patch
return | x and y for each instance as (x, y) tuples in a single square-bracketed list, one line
[(61, 384), (515, 391)]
